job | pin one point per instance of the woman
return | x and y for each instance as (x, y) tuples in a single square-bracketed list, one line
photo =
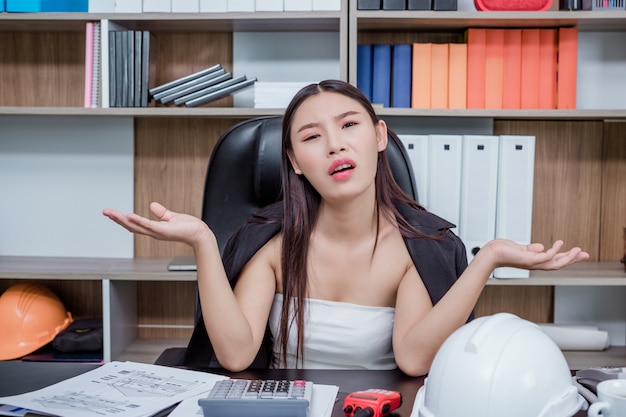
[(369, 278)]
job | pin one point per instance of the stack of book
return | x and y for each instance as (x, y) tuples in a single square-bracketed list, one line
[(131, 67), (200, 87), (530, 68)]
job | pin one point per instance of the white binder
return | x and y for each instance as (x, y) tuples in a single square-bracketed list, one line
[(514, 207), (157, 6), (298, 5), (479, 179), (211, 6), (240, 5), (417, 148), (185, 6), (444, 176), (128, 6), (268, 5)]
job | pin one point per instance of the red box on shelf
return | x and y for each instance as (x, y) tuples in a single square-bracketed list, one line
[(512, 5)]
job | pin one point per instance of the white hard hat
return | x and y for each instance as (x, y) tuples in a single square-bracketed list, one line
[(499, 365)]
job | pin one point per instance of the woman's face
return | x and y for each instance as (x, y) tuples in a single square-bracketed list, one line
[(335, 145)]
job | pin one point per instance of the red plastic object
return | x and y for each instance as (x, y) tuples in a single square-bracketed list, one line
[(512, 5), (371, 403)]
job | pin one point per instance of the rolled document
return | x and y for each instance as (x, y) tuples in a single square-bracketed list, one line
[(573, 337)]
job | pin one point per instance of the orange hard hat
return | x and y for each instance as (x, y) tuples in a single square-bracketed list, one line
[(31, 315)]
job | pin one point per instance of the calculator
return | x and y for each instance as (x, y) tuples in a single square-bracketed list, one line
[(258, 398)]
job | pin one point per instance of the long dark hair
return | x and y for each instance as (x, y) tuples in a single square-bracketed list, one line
[(301, 206)]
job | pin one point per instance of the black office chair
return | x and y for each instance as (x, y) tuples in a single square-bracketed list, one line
[(244, 175)]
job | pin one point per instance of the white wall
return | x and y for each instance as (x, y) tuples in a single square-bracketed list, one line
[(57, 173), (601, 70), (284, 56), (603, 307)]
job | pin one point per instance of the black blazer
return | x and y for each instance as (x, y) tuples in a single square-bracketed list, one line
[(439, 262)]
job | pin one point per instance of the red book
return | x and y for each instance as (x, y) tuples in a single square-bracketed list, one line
[(512, 69), (567, 68), (476, 44), (547, 68), (494, 65), (530, 69)]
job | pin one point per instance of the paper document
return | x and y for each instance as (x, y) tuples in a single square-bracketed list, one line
[(121, 389)]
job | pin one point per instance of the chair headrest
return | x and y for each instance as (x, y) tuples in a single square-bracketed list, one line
[(267, 161), (244, 173)]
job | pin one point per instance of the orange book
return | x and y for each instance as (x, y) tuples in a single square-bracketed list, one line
[(567, 68), (457, 76), (439, 76), (512, 69), (530, 69), (494, 64), (421, 76), (547, 68), (476, 39)]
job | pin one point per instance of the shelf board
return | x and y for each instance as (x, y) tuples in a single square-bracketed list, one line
[(148, 350), (319, 21), (214, 112), (601, 21), (535, 114), (155, 269), (614, 356), (84, 268), (582, 273), (245, 113)]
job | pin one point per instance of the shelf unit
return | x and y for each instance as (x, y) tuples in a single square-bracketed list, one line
[(581, 156)]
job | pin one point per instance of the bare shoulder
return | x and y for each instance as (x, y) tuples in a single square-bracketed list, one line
[(394, 247), (269, 253), (263, 269)]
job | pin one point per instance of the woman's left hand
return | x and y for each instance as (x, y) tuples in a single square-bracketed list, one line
[(533, 256)]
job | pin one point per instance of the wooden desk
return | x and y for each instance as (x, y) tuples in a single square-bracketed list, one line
[(18, 377)]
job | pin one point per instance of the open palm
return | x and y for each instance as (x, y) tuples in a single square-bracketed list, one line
[(169, 226)]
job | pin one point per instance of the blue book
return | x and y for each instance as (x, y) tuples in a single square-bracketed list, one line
[(364, 69), (381, 73), (401, 78), (34, 6)]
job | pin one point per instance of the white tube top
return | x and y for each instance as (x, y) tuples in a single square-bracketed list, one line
[(338, 335)]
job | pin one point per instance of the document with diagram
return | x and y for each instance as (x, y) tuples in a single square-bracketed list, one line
[(121, 389)]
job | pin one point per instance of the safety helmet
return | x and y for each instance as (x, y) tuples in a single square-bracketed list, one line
[(31, 315), (498, 365)]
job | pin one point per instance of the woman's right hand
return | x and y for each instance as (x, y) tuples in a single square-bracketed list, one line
[(170, 225)]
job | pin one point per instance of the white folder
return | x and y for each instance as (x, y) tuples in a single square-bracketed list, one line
[(101, 6), (185, 6), (157, 6), (128, 6), (211, 6), (444, 176), (240, 5), (326, 4), (479, 179), (298, 5), (417, 148), (514, 207), (268, 5)]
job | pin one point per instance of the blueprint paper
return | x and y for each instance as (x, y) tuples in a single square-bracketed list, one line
[(121, 389)]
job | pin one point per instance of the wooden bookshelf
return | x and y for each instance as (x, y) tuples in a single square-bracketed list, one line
[(580, 166)]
